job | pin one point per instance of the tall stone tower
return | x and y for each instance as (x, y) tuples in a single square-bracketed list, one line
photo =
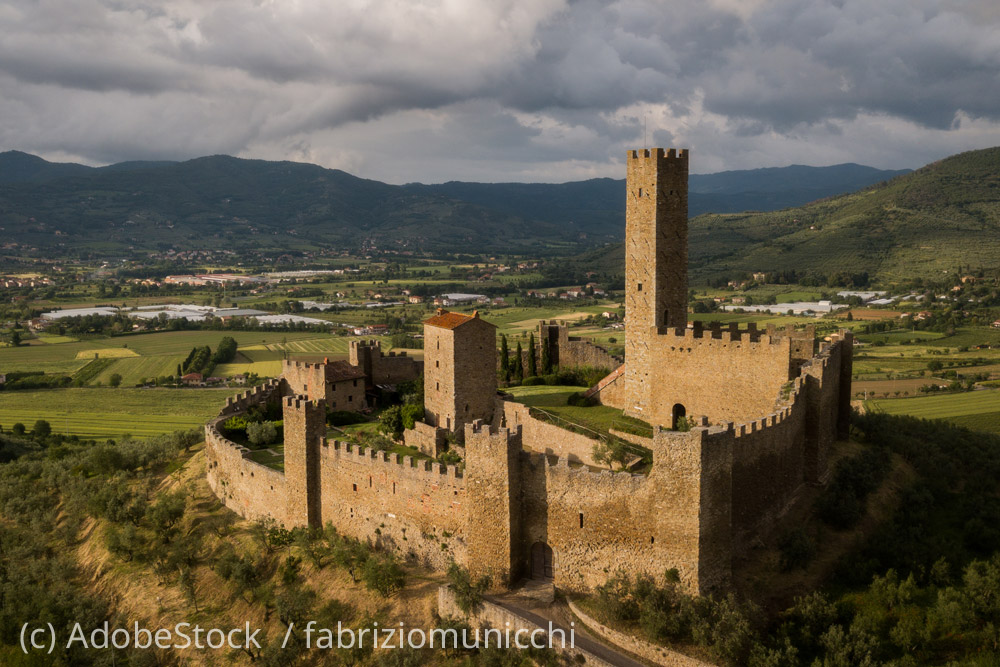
[(305, 426), (460, 370), (656, 292)]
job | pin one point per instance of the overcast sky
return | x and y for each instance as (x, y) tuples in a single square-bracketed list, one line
[(500, 90)]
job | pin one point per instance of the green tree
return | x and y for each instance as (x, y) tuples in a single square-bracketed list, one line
[(532, 361), (383, 574), (390, 422), (504, 359), (226, 351), (261, 433), (41, 429), (517, 370), (15, 338), (411, 413), (115, 379), (18, 429)]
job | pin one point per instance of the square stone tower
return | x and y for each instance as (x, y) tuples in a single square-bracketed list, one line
[(460, 370), (656, 291)]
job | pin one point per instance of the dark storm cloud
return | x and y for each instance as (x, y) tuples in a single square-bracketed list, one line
[(542, 87)]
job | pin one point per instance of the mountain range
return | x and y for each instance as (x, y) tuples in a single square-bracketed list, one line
[(933, 221), (72, 209)]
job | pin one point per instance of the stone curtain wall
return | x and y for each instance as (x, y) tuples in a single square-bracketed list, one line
[(724, 375), (380, 368), (250, 489), (570, 352), (546, 438), (416, 507), (425, 438), (617, 522)]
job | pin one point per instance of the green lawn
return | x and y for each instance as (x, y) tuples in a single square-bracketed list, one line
[(552, 399), (265, 457), (107, 412), (977, 409)]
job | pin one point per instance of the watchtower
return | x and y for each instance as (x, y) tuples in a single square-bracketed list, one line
[(460, 376), (656, 291)]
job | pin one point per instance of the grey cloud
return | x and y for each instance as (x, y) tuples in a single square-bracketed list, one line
[(540, 86)]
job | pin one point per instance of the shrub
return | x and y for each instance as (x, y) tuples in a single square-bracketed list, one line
[(383, 574), (468, 594), (411, 414), (797, 550), (532, 381), (235, 426), (390, 422), (261, 434), (581, 400)]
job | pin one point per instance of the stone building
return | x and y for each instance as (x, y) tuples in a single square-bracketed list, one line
[(761, 409), (460, 381), (349, 385)]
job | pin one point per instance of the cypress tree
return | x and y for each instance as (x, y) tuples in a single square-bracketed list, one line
[(546, 357), (518, 370), (504, 359), (532, 362)]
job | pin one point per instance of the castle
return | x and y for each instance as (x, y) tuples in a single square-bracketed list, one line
[(762, 406)]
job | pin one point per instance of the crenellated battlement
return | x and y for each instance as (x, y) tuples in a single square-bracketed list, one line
[(255, 396), (302, 403), (658, 153), (406, 465), (368, 343), (303, 365)]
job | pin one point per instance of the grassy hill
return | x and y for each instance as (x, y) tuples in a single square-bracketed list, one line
[(68, 209), (932, 220)]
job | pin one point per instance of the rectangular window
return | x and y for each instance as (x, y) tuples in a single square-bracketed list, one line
[(640, 287), (581, 519), (355, 487)]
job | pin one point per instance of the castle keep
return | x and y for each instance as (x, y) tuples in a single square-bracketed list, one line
[(761, 409)]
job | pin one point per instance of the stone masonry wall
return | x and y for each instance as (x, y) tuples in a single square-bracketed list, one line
[(415, 507), (250, 489), (427, 439), (460, 381), (305, 378), (381, 368), (544, 437), (724, 375), (494, 492), (570, 352), (655, 257)]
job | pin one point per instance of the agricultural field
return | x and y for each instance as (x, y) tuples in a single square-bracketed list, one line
[(140, 357), (111, 413), (979, 410)]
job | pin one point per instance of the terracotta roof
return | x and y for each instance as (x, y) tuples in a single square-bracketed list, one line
[(448, 320), (339, 371)]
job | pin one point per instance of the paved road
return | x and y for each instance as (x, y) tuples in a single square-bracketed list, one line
[(602, 651)]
